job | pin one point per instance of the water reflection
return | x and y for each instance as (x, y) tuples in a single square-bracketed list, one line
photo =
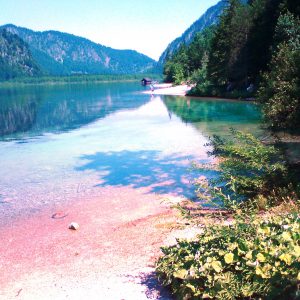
[(18, 118), (110, 135), (215, 116), (44, 109)]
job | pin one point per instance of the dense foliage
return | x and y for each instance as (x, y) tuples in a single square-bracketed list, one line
[(15, 57), (189, 62), (256, 260), (254, 47), (252, 175), (249, 168), (209, 18), (280, 88), (254, 257)]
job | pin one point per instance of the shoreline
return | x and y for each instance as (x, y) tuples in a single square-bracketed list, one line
[(169, 89), (111, 254)]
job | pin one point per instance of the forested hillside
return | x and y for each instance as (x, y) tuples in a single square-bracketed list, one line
[(210, 17), (254, 51), (15, 57), (59, 53)]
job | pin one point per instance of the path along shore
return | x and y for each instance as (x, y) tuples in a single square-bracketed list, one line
[(169, 89)]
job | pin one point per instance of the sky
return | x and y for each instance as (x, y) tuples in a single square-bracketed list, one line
[(145, 26)]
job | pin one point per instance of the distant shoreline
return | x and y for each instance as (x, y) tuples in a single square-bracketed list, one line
[(76, 79)]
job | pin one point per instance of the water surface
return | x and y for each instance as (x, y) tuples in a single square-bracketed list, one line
[(61, 142)]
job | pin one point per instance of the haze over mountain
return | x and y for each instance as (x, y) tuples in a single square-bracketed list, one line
[(58, 53), (210, 17)]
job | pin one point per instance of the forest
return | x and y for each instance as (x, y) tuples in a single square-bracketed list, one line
[(249, 246), (253, 52)]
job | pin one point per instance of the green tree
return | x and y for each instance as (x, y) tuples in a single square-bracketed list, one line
[(280, 87), (265, 14), (227, 60), (176, 68)]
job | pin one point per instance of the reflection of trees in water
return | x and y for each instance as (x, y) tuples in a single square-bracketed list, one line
[(60, 108), (18, 116), (208, 114)]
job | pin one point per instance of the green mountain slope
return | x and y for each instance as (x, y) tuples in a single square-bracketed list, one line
[(210, 17), (60, 53), (15, 57)]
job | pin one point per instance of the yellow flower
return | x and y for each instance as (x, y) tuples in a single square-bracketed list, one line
[(260, 257), (286, 258), (209, 260), (265, 230), (297, 250), (228, 258), (249, 255), (286, 236), (263, 272), (232, 246), (181, 274), (216, 266)]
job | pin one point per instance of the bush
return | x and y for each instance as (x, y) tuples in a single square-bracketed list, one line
[(258, 260), (248, 169)]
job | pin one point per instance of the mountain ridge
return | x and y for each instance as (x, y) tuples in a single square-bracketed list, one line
[(61, 53), (15, 57), (210, 17)]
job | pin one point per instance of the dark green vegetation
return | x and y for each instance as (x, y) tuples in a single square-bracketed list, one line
[(280, 87), (58, 53), (257, 256), (256, 260), (15, 57), (187, 62), (74, 79), (253, 174), (210, 17), (252, 52)]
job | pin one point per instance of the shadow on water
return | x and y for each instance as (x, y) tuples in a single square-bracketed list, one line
[(145, 169)]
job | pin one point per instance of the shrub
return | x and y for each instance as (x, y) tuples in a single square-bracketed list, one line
[(249, 169), (258, 260)]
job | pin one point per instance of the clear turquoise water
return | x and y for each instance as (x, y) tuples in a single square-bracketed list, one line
[(60, 141)]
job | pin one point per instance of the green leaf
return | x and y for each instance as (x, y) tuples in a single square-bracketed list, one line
[(181, 274), (217, 266), (228, 258)]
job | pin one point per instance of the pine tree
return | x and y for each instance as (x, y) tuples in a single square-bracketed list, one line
[(280, 88)]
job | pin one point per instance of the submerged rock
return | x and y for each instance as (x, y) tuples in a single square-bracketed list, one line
[(59, 215), (73, 226)]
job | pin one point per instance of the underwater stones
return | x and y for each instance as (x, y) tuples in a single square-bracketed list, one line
[(74, 226)]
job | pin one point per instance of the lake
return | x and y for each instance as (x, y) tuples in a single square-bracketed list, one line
[(60, 143)]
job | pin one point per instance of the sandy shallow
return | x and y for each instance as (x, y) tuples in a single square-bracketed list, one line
[(111, 256), (168, 89)]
